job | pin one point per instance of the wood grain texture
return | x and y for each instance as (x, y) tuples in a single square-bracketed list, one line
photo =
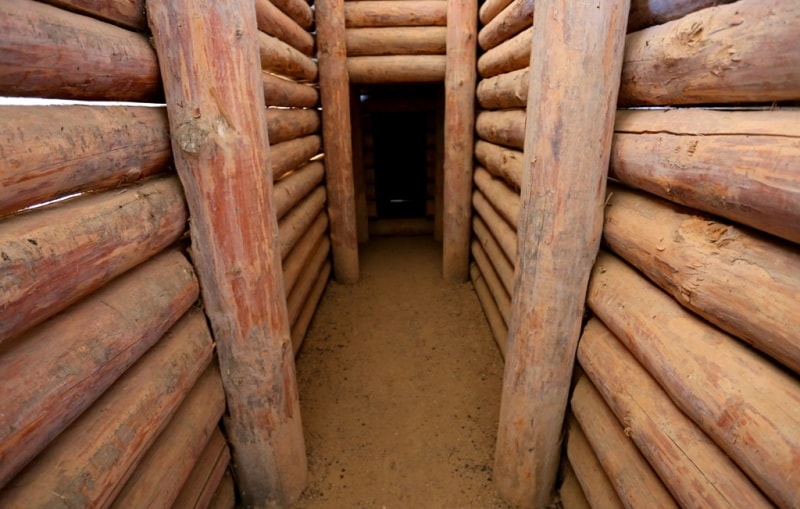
[(207, 473), (490, 9), (397, 69), (290, 190), (593, 480), (506, 127), (571, 493), (297, 221), (493, 282), (298, 10), (504, 91), (280, 58), (291, 155), (296, 259), (288, 124), (307, 313), (501, 230), (513, 19), (646, 13), (501, 263), (276, 23), (389, 13), (501, 162), (288, 93), (489, 306), (504, 200), (396, 41), (126, 13), (510, 55)]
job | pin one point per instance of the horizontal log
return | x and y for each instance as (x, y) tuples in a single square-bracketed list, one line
[(516, 17), (278, 57), (501, 162), (646, 13), (571, 493), (206, 473), (501, 231), (126, 13), (158, 478), (315, 264), (298, 10), (389, 13), (297, 260), (593, 480), (505, 271), (57, 370), (748, 405), (290, 155), (289, 190), (504, 199), (292, 226), (508, 90), (740, 165), (695, 470), (505, 127), (490, 9), (632, 477), (396, 69), (288, 93), (493, 317), (396, 41), (54, 53), (511, 55), (496, 288), (394, 227), (225, 496), (52, 151), (287, 124), (307, 313), (276, 23), (90, 461), (741, 52), (99, 236)]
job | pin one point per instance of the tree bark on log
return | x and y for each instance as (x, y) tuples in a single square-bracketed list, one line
[(206, 475), (104, 235), (503, 199), (52, 151), (695, 470), (646, 13), (297, 221), (396, 41), (315, 265), (504, 91), (516, 17), (279, 58), (505, 127), (298, 10), (739, 165), (511, 55), (501, 162), (52, 53), (307, 313), (577, 54), (388, 13), (308, 244), (290, 155), (287, 93), (289, 191), (496, 288), (490, 9), (571, 493), (749, 406), (276, 23), (127, 13), (496, 323), (741, 52), (222, 155), (501, 231), (592, 478), (397, 69), (288, 124), (499, 260)]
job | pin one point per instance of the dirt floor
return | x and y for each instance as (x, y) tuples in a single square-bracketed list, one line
[(400, 387)]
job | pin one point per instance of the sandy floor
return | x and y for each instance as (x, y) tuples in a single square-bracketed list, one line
[(400, 388)]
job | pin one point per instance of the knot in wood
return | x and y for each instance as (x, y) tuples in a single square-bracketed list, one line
[(191, 137)]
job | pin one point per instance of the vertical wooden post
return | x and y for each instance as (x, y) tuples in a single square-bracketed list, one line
[(208, 55), (459, 124), (334, 88), (359, 180), (575, 75)]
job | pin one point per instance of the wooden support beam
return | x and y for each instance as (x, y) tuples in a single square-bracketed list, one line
[(298, 257), (501, 162), (298, 10), (279, 58), (298, 220), (290, 155), (577, 54), (504, 91), (496, 323), (571, 493), (334, 87), (276, 23), (315, 265), (127, 13), (218, 130), (389, 13), (287, 124), (225, 496), (459, 126), (645, 13), (307, 313), (208, 472), (501, 230), (490, 9), (511, 55), (288, 93), (396, 41), (496, 288), (592, 478), (506, 127), (505, 200), (290, 190), (397, 69), (499, 259), (513, 19)]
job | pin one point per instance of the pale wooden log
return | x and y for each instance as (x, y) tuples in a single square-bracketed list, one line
[(287, 124), (516, 17), (632, 477), (720, 272), (508, 90), (740, 165), (502, 127), (388, 13), (336, 132), (501, 162), (696, 471), (89, 462), (288, 93), (646, 13), (395, 227), (276, 23), (505, 200), (279, 58), (359, 176), (490, 9), (297, 221), (489, 306), (307, 313), (290, 155), (496, 288), (459, 129), (309, 243), (207, 473), (59, 54), (298, 10), (225, 496), (396, 69), (502, 265), (305, 283), (160, 474), (511, 55), (100, 236), (501, 231), (396, 41), (51, 151), (575, 74), (438, 214), (126, 13), (290, 190), (592, 478), (745, 403), (55, 371), (222, 154), (741, 52), (571, 493)]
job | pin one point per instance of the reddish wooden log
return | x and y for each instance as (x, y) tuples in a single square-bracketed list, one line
[(496, 288), (401, 227), (505, 200), (592, 478), (290, 190), (307, 313), (396, 41), (741, 52), (501, 231), (297, 259), (305, 283), (298, 10), (222, 155), (499, 260), (55, 371), (297, 221), (490, 9), (158, 478), (511, 55), (359, 176), (500, 162), (512, 20), (509, 90), (502, 127), (52, 151), (274, 22), (749, 406), (104, 234), (388, 13), (287, 124), (632, 477), (575, 72), (740, 165), (496, 323), (646, 13), (279, 58), (396, 69), (225, 496), (290, 155), (571, 493), (695, 470), (89, 462), (126, 13), (336, 132), (287, 93), (59, 54), (718, 271), (206, 475), (459, 128)]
